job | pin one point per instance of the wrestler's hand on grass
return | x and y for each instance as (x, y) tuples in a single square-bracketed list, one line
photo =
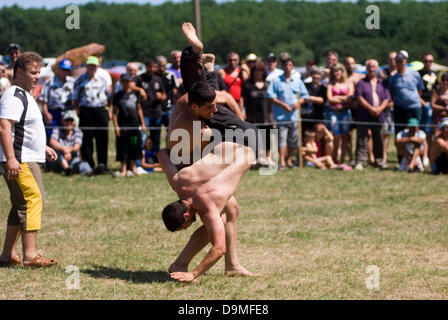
[(183, 277)]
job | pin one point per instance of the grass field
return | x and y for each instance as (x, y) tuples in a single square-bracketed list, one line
[(310, 234)]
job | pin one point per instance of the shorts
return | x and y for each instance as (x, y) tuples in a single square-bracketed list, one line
[(27, 197), (388, 124), (129, 145), (288, 134), (340, 122)]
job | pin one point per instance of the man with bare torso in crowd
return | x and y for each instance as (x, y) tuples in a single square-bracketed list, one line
[(199, 104)]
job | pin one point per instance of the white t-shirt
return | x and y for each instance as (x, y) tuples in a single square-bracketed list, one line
[(28, 133)]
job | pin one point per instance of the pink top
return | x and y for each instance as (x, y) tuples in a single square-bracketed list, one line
[(338, 92)]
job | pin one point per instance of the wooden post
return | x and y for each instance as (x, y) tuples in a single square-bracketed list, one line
[(197, 18), (300, 135)]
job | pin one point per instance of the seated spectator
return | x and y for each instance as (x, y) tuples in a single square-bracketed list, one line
[(66, 141), (313, 109), (127, 116), (310, 150), (410, 144), (149, 159), (439, 149), (324, 140)]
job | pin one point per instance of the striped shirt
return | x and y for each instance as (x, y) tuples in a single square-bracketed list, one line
[(28, 132)]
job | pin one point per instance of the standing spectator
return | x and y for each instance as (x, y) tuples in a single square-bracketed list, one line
[(232, 77), (13, 53), (388, 124), (22, 151), (171, 88), (127, 116), (152, 106), (90, 98), (247, 65), (405, 88), (313, 109), (373, 98), (271, 68), (105, 75), (339, 94), (439, 149), (332, 60), (429, 79), (4, 81), (410, 144), (66, 141), (258, 108), (309, 66), (56, 95), (175, 65), (352, 75), (287, 93), (439, 100)]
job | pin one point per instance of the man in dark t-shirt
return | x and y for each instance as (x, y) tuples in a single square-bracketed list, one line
[(152, 107)]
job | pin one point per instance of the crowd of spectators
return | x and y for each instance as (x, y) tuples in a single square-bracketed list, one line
[(333, 104)]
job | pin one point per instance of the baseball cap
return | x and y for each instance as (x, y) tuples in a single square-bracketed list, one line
[(70, 114), (125, 77), (251, 57), (443, 123), (13, 46), (413, 122), (93, 60), (65, 64), (271, 56), (402, 55)]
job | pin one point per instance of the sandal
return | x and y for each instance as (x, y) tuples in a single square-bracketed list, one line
[(13, 262), (40, 262)]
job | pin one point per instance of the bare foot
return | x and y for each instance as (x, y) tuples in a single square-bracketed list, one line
[(240, 271), (177, 268), (192, 38)]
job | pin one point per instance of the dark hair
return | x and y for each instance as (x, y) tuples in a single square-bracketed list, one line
[(150, 61), (287, 60), (173, 215), (25, 59), (258, 67), (200, 93)]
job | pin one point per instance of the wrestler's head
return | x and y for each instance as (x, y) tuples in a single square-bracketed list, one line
[(202, 100), (178, 215)]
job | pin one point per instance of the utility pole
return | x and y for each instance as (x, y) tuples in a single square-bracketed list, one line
[(197, 18)]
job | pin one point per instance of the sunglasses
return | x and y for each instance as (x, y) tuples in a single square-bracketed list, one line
[(428, 61)]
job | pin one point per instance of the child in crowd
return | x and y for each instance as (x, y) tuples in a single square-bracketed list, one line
[(309, 153), (149, 159), (127, 116), (411, 147)]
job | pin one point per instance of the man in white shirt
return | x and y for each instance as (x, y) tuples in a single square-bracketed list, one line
[(23, 150)]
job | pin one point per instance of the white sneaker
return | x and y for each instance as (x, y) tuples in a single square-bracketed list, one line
[(140, 170), (419, 165), (129, 173), (426, 162), (359, 166)]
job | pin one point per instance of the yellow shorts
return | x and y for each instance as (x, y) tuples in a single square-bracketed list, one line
[(27, 197)]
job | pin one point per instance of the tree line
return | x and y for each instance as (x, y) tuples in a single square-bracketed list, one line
[(306, 30)]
